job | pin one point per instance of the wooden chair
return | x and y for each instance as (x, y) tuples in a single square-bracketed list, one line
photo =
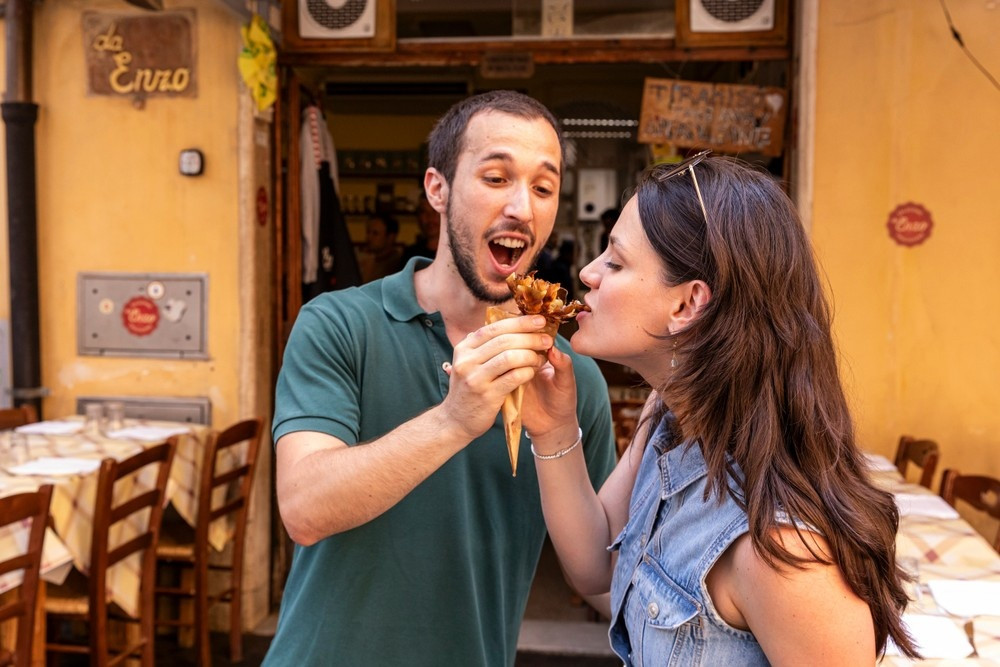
[(33, 506), (192, 550), (922, 453), (980, 491), (93, 605), (625, 416), (19, 416)]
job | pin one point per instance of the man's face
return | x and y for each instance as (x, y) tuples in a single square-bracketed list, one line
[(377, 237), (502, 201)]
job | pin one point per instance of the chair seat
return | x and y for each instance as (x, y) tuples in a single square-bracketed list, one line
[(6, 657), (71, 598), (169, 548)]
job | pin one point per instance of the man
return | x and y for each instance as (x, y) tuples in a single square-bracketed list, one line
[(429, 222), (381, 255), (415, 544)]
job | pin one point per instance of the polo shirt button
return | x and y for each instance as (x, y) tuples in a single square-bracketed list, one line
[(428, 322), (653, 609)]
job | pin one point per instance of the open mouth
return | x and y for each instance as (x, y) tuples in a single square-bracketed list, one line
[(507, 251)]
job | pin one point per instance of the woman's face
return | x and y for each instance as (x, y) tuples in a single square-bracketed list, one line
[(630, 303)]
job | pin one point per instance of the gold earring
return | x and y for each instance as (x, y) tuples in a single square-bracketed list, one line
[(673, 355)]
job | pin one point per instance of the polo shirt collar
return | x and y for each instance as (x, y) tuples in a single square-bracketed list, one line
[(399, 293)]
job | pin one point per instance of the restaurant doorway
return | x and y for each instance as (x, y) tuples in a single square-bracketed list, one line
[(379, 116)]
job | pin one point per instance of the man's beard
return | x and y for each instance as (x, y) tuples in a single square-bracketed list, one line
[(463, 253)]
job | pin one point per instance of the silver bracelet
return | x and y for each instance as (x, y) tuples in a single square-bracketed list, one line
[(562, 452)]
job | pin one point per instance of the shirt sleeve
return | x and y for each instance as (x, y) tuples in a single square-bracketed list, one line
[(318, 387)]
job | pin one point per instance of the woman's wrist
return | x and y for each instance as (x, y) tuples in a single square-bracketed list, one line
[(557, 441)]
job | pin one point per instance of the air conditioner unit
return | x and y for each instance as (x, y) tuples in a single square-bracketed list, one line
[(337, 19), (731, 23), (731, 15)]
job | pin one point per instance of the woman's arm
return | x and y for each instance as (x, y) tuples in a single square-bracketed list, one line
[(581, 523), (805, 616)]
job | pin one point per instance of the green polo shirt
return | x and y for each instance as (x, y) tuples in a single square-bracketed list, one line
[(442, 578)]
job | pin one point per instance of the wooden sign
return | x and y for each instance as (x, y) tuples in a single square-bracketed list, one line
[(725, 117), (141, 55)]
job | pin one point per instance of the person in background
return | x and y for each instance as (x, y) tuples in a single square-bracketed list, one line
[(429, 222), (608, 219), (381, 254), (742, 524), (414, 543), (557, 267)]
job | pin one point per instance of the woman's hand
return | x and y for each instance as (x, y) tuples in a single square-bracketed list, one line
[(549, 409)]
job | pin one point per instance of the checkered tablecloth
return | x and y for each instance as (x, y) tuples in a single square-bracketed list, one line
[(73, 503), (948, 549)]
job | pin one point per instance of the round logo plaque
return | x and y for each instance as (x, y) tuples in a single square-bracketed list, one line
[(910, 224), (140, 316)]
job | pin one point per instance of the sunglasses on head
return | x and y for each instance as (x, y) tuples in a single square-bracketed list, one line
[(666, 172)]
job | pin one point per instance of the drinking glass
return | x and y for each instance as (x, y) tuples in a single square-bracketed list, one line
[(115, 411), (17, 448), (93, 418)]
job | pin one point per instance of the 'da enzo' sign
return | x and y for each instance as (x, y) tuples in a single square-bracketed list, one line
[(725, 117), (141, 55)]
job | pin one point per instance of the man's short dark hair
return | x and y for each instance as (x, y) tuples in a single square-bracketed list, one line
[(448, 136)]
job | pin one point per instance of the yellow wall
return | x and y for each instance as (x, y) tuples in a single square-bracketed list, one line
[(902, 115), (110, 198)]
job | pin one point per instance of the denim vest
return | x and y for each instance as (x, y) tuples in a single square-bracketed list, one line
[(661, 610)]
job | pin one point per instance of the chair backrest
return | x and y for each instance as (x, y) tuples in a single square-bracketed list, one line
[(625, 415), (922, 453), (980, 491), (241, 477), (106, 514), (33, 506), (19, 416)]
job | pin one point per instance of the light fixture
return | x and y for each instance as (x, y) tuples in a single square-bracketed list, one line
[(192, 162), (156, 5)]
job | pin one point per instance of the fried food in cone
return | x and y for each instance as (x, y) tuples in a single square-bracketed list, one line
[(533, 296)]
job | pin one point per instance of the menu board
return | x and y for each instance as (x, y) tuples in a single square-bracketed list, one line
[(725, 117)]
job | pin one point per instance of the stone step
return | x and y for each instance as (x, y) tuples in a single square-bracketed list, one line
[(571, 640)]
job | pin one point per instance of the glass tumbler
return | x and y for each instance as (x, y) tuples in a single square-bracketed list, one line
[(115, 412), (93, 416)]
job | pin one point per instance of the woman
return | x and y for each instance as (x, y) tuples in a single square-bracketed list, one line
[(742, 523)]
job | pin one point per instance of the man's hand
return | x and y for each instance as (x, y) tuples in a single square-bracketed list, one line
[(489, 364)]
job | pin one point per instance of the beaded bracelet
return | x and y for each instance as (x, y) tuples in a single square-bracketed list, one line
[(562, 452)]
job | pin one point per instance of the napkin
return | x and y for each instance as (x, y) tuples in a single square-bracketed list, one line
[(986, 634), (879, 462), (151, 433), (935, 637), (967, 598), (51, 428), (49, 465), (924, 504)]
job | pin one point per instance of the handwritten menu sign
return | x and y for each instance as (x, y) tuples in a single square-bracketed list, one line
[(725, 117), (145, 55)]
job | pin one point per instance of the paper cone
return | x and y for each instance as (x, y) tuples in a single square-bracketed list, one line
[(511, 408)]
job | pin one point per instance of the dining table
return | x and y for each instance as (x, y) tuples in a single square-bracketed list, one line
[(954, 609), (67, 453)]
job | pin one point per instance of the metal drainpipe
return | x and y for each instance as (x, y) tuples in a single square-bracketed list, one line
[(19, 115)]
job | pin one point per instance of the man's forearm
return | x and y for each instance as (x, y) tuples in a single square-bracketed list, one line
[(325, 487)]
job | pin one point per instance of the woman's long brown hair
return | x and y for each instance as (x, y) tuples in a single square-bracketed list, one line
[(757, 378)]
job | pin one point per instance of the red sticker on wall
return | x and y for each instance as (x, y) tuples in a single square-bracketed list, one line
[(910, 224), (140, 316)]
